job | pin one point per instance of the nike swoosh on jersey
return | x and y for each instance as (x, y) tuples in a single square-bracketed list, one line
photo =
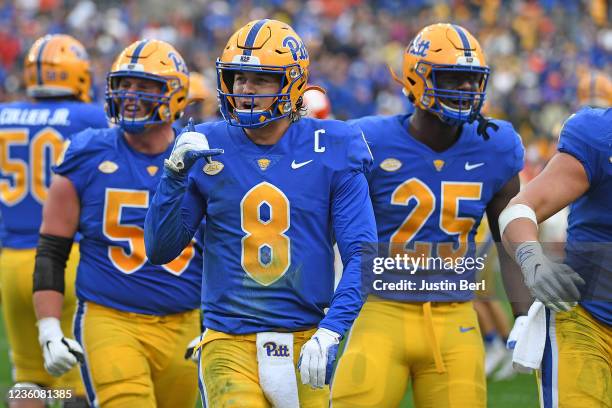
[(469, 166), (295, 165)]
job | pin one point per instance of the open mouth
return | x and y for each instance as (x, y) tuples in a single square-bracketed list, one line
[(135, 112), (247, 105), (457, 104)]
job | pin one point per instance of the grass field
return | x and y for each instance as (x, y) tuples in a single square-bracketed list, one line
[(518, 392)]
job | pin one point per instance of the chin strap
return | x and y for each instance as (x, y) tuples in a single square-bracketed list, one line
[(484, 124)]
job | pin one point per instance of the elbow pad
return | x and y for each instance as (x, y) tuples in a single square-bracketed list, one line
[(51, 255)]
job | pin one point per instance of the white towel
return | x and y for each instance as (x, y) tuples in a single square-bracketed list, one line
[(276, 369), (530, 343)]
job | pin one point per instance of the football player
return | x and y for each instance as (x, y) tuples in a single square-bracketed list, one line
[(575, 368), (133, 319), (284, 187), (32, 134), (436, 172)]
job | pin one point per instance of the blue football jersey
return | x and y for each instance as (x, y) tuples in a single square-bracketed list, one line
[(272, 214), (114, 184), (428, 205), (32, 136), (587, 136)]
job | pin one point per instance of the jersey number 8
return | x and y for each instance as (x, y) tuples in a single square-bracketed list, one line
[(264, 217)]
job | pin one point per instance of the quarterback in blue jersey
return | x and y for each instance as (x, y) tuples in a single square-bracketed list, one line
[(436, 172), (575, 369), (134, 319), (32, 136), (283, 190)]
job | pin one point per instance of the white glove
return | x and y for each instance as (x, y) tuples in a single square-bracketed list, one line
[(191, 353), (554, 284), (520, 324), (188, 148), (60, 353), (317, 357)]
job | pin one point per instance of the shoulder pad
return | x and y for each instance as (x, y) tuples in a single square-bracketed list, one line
[(591, 126), (502, 139), (347, 148), (82, 146)]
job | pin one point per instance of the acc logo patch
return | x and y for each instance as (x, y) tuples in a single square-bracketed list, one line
[(391, 164), (108, 167), (212, 168), (152, 170), (438, 164)]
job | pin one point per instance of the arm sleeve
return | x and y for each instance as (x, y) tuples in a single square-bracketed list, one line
[(354, 226), (172, 218)]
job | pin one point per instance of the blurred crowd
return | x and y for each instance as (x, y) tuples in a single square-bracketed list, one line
[(537, 50)]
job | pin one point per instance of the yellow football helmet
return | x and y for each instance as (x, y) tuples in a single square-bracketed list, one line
[(198, 90), (263, 46), (438, 60), (594, 89), (154, 60), (56, 66)]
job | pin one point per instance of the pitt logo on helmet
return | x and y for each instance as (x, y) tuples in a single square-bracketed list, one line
[(419, 47), (155, 61), (298, 50), (444, 72), (263, 47)]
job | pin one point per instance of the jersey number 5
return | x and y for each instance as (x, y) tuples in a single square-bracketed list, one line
[(450, 221), (47, 139), (264, 217), (115, 201)]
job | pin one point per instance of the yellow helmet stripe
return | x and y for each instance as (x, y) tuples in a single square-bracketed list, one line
[(137, 51), (250, 40), (467, 49), (41, 49)]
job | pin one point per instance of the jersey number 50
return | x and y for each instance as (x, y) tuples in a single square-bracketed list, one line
[(115, 201), (47, 139)]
